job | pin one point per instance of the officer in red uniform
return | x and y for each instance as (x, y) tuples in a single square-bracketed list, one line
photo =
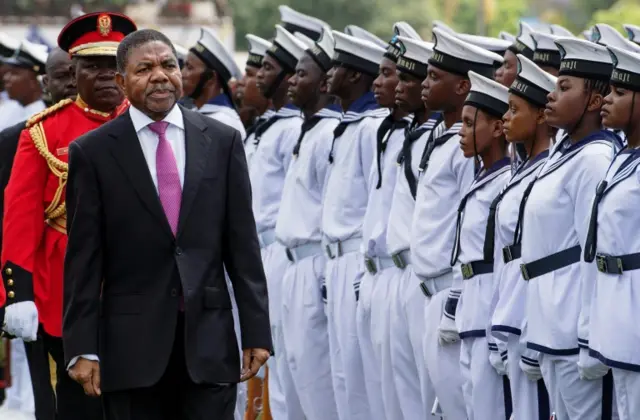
[(35, 218)]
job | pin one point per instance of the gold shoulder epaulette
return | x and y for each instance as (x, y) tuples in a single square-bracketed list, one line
[(49, 111)]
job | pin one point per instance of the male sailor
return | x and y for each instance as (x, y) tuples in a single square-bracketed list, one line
[(351, 156), (8, 46), (275, 140), (207, 71), (304, 322), (524, 45), (445, 176)]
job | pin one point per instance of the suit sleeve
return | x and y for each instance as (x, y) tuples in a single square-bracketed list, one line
[(83, 261), (242, 257), (23, 223)]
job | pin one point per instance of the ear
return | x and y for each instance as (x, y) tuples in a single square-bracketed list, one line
[(45, 81), (355, 77), (595, 102), (120, 82), (540, 119), (463, 86), (323, 85), (497, 129)]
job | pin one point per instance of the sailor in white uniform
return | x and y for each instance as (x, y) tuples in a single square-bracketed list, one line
[(445, 176), (613, 336), (275, 140), (207, 71), (486, 393), (524, 123), (403, 363), (9, 108), (524, 45), (250, 95), (304, 322), (373, 305), (351, 156), (554, 222)]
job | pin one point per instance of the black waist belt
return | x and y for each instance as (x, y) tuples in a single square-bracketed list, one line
[(551, 263), (617, 265), (511, 252), (475, 268)]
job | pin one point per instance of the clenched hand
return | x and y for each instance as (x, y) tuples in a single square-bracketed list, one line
[(252, 360), (87, 373)]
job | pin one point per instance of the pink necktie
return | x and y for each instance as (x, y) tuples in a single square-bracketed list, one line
[(169, 187)]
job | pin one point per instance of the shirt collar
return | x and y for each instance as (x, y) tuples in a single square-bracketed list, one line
[(141, 120)]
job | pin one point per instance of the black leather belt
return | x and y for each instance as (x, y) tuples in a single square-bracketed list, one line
[(618, 264), (551, 263), (511, 252), (475, 268)]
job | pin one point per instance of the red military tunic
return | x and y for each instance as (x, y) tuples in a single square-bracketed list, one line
[(35, 238)]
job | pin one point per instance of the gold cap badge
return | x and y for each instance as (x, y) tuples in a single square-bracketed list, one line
[(104, 24)]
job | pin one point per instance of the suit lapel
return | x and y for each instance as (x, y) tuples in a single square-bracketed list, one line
[(197, 145), (128, 154)]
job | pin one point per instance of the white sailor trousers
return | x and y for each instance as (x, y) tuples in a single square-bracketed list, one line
[(283, 398), (627, 390), (415, 391), (382, 297), (306, 339), (443, 361), (530, 399), (571, 397), (364, 328), (482, 388), (344, 273), (241, 396)]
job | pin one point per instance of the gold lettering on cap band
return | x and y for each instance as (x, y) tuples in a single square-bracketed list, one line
[(568, 65)]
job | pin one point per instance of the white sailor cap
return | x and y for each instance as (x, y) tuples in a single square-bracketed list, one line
[(356, 53), (558, 30), (487, 95), (8, 45), (361, 33), (586, 34), (626, 68), (286, 49), (323, 51), (257, 49), (29, 56), (546, 52), (443, 26), (213, 53), (524, 42), (585, 59), (181, 53), (532, 83), (507, 36), (633, 32), (496, 45), (608, 36), (294, 21), (453, 55), (305, 39), (400, 29), (415, 56)]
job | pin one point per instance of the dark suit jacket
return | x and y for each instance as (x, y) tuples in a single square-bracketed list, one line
[(8, 145), (124, 269)]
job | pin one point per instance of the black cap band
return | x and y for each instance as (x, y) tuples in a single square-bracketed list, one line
[(393, 51), (548, 58), (529, 92), (487, 103), (286, 60), (625, 80), (255, 60), (320, 57), (6, 52), (415, 68), (459, 66), (356, 63), (25, 60), (211, 61), (291, 27), (586, 69), (519, 47)]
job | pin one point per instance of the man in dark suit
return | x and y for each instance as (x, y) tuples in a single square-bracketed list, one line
[(158, 205)]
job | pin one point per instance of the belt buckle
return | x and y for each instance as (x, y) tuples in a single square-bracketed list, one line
[(289, 254), (398, 261), (370, 265), (425, 290), (467, 271), (525, 272), (339, 247), (329, 253), (602, 262), (507, 256)]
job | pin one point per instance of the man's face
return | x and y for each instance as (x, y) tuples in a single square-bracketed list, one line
[(384, 85), (96, 82), (268, 73), (3, 70), (337, 81), (19, 83), (248, 92), (191, 73), (306, 85), (152, 80), (408, 92), (60, 79), (508, 71), (437, 89)]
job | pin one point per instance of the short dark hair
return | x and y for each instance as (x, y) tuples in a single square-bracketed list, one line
[(136, 39)]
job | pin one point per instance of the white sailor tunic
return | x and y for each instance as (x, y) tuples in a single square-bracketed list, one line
[(220, 108)]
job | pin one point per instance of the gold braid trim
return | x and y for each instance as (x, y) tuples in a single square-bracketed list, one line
[(60, 169)]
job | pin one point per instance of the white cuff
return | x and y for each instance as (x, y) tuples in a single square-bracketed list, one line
[(92, 357)]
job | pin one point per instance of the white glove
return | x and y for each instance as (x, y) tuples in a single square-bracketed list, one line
[(530, 365), (498, 359), (21, 320), (448, 332), (589, 367)]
